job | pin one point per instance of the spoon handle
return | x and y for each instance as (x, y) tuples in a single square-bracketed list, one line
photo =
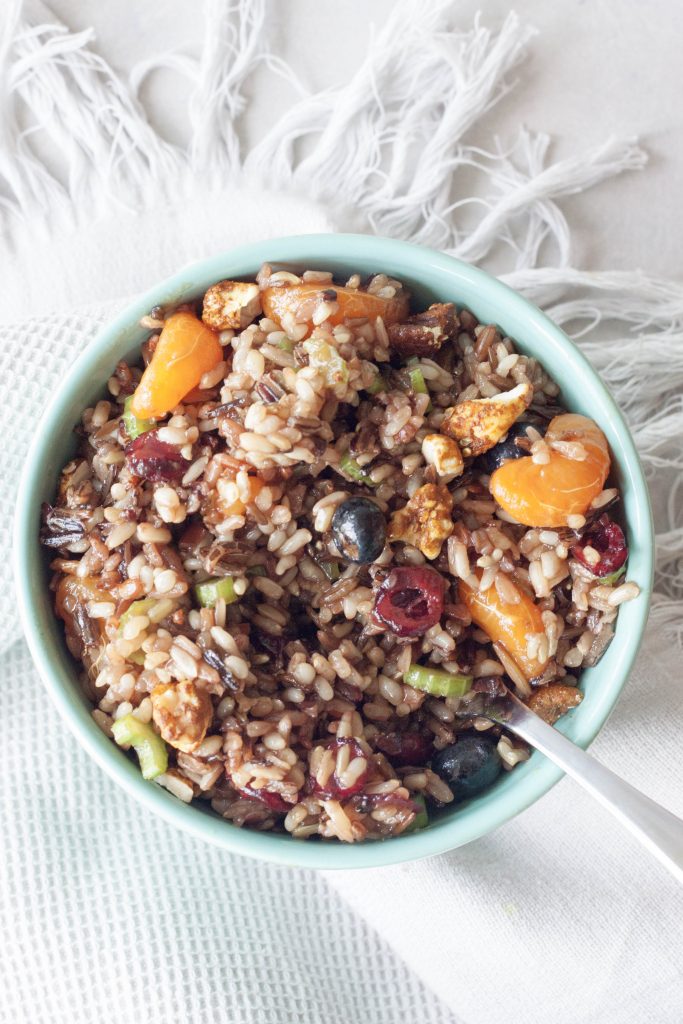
[(659, 831)]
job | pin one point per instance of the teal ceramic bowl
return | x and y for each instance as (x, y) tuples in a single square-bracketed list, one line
[(431, 276)]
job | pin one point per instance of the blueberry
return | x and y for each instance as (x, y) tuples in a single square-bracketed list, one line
[(468, 766), (359, 530), (506, 450)]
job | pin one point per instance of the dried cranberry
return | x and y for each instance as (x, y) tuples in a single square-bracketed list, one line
[(607, 538), (264, 796), (155, 460), (410, 601), (403, 748), (333, 789)]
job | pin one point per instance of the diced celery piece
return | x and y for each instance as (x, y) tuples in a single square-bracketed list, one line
[(209, 592), (421, 819), (137, 657), (287, 345), (437, 682), (137, 608), (129, 731), (331, 570), (417, 381), (358, 473), (134, 426), (613, 576), (378, 385)]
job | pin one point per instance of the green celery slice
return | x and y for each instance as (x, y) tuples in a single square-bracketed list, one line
[(147, 744), (331, 570), (134, 426), (358, 473), (210, 591), (378, 385), (437, 682), (417, 381), (613, 576), (421, 819), (140, 607), (287, 345)]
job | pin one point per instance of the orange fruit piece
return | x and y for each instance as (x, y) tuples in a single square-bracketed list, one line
[(546, 495), (506, 623), (186, 350), (300, 300), (254, 485)]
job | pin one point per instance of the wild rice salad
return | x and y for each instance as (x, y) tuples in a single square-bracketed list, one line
[(308, 535)]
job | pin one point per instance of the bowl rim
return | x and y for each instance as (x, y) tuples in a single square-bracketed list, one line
[(446, 834)]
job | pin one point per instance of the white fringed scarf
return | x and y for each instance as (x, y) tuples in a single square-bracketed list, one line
[(95, 206)]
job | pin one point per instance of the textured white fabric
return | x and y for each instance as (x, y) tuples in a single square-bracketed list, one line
[(111, 916)]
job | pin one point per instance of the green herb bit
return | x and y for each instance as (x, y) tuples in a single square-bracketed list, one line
[(210, 591), (613, 576), (129, 731), (437, 682), (358, 473), (378, 385), (331, 570), (421, 819), (137, 608), (134, 426)]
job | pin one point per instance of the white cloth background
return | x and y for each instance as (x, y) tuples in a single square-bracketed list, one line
[(112, 916)]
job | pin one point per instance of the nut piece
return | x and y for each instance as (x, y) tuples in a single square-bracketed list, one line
[(424, 333), (182, 712), (479, 424), (425, 522), (550, 702), (444, 455), (231, 304)]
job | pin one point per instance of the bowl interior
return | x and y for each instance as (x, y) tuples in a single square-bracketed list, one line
[(431, 276)]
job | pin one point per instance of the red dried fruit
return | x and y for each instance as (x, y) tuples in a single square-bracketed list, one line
[(607, 538), (402, 748), (410, 600), (155, 460), (264, 796), (333, 789)]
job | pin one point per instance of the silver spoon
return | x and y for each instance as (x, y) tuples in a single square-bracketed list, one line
[(659, 831)]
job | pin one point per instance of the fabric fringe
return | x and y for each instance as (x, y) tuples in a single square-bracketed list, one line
[(388, 151)]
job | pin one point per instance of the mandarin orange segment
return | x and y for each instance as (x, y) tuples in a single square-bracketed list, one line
[(186, 350), (255, 485), (300, 301), (547, 494), (506, 623)]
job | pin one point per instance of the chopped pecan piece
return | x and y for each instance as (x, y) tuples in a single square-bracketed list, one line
[(479, 424), (424, 333), (425, 522), (553, 700), (444, 455), (231, 304), (182, 713)]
